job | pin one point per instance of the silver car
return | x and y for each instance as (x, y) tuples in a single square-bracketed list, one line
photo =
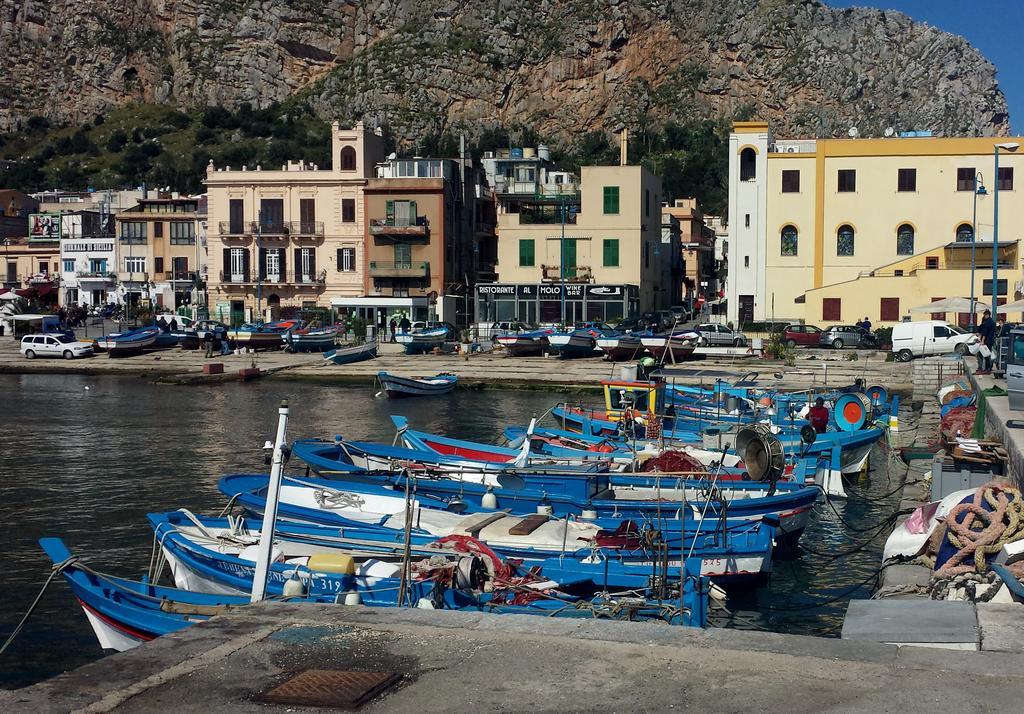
[(718, 335)]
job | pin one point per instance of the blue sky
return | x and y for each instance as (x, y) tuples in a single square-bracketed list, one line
[(993, 26)]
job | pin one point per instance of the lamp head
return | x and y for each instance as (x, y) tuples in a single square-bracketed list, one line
[(1008, 146), (982, 191)]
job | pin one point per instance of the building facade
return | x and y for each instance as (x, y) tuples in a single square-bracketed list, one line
[(88, 259), (291, 237), (609, 246), (697, 250), (835, 230), (158, 253)]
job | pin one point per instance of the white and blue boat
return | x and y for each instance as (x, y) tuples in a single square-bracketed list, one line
[(318, 340), (397, 387), (352, 353), (423, 341), (578, 343), (737, 548), (132, 342), (525, 344), (621, 346)]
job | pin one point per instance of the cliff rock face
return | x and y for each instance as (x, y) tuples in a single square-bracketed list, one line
[(560, 66)]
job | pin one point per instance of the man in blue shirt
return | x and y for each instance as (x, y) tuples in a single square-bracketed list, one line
[(987, 333)]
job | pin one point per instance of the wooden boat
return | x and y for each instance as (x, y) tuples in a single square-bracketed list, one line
[(620, 347), (128, 342), (417, 343), (352, 353), (671, 348), (525, 344), (578, 343), (262, 335), (395, 386), (319, 340)]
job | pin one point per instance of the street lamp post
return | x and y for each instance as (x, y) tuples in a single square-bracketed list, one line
[(1009, 146), (979, 190)]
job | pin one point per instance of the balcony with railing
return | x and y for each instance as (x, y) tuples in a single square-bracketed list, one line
[(398, 228), (380, 269), (100, 275), (301, 278), (234, 229), (546, 215), (305, 229), (236, 278), (573, 273)]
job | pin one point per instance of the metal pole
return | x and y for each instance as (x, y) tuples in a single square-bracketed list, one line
[(561, 261), (266, 544), (995, 238), (974, 241), (259, 268)]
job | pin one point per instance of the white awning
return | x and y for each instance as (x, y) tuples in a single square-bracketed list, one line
[(953, 304), (380, 301), (1017, 306)]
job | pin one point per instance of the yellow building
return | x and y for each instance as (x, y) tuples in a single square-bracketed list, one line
[(291, 236), (159, 255), (835, 230), (614, 260)]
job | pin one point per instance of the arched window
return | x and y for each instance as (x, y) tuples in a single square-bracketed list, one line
[(844, 240), (965, 233), (748, 164), (905, 240), (789, 240), (348, 159)]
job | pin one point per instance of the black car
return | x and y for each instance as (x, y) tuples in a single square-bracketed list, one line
[(635, 324)]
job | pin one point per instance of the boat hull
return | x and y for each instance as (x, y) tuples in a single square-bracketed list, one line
[(519, 346), (620, 349), (350, 355), (667, 349), (571, 346), (401, 387)]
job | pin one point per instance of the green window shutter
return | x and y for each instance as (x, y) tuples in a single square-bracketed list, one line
[(412, 213), (570, 253), (526, 253), (611, 252), (390, 213), (611, 199)]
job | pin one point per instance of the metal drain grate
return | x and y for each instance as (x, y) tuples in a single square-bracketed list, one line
[(339, 688)]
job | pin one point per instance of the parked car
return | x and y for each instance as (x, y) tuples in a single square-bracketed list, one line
[(929, 337), (715, 334), (656, 321), (803, 335), (54, 345), (840, 336), (680, 313), (634, 324), (495, 330)]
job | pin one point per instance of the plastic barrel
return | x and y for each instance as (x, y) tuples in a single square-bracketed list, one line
[(852, 411), (878, 394)]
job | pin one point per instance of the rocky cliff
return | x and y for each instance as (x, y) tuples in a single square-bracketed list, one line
[(559, 66)]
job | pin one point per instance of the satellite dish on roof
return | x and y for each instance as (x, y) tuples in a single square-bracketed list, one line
[(853, 133), (392, 156), (889, 131)]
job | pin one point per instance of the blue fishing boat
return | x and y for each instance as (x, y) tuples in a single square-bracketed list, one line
[(353, 353), (736, 548), (417, 343), (132, 342), (524, 344), (578, 343), (397, 387), (621, 346), (262, 335), (306, 340), (125, 613)]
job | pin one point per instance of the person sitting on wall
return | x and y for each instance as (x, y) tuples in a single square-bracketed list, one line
[(818, 416)]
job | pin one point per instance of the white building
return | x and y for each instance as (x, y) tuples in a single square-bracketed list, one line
[(88, 259)]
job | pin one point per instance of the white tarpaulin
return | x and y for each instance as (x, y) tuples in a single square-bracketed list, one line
[(1017, 306), (953, 304)]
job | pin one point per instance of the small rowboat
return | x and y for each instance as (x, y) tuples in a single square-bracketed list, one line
[(257, 335), (128, 342), (525, 343), (620, 347), (396, 387), (671, 348), (417, 343), (319, 340), (353, 353)]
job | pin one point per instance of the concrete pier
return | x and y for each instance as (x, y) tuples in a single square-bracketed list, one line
[(448, 661), (813, 368)]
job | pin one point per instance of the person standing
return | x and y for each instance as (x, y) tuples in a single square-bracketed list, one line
[(405, 324), (987, 333), (818, 416), (393, 326), (866, 325)]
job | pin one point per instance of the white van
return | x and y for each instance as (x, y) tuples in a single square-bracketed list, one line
[(929, 337)]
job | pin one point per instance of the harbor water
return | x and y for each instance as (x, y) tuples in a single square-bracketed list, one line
[(85, 458)]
